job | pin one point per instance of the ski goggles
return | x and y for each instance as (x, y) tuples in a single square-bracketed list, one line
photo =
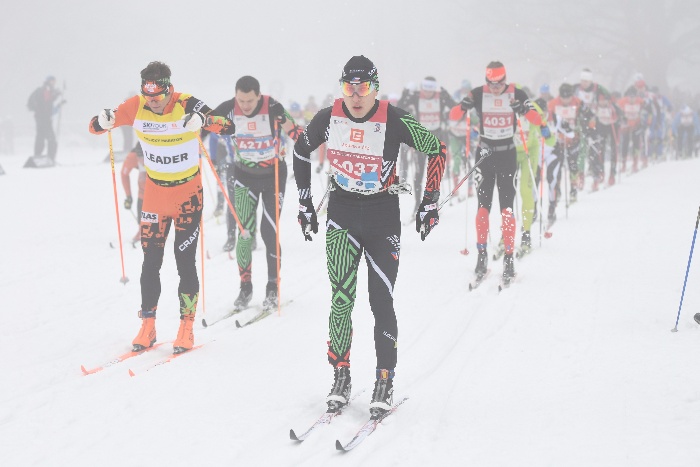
[(156, 98), (361, 89), (496, 84)]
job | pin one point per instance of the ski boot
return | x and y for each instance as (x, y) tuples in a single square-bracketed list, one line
[(611, 180), (573, 195), (525, 244), (147, 334), (482, 262), (383, 395), (270, 302), (508, 269), (340, 392), (185, 335), (244, 296)]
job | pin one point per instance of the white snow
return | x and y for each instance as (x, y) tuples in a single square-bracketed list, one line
[(575, 365)]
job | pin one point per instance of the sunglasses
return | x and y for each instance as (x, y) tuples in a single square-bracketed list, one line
[(361, 89), (495, 84), (156, 98)]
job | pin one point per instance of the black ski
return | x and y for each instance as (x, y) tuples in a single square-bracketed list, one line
[(697, 318)]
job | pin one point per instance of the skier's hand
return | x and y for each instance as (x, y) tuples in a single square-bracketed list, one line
[(193, 121), (517, 106), (544, 131), (427, 217), (319, 168), (467, 104), (307, 218), (106, 119), (128, 201)]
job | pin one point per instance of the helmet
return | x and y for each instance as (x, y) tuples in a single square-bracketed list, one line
[(566, 90), (544, 89), (295, 107), (466, 84)]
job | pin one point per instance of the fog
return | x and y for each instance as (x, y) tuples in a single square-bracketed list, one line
[(96, 49)]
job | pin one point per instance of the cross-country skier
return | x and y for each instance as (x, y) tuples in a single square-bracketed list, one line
[(498, 104), (167, 124), (259, 121), (363, 135)]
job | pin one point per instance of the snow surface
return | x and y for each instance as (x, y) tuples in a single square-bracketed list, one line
[(572, 366)]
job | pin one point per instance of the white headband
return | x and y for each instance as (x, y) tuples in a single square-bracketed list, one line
[(586, 75)]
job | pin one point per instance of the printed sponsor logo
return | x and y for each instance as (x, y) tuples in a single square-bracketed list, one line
[(193, 238), (175, 139), (357, 135), (151, 217), (252, 126), (167, 159), (154, 127), (498, 102), (198, 106), (386, 334)]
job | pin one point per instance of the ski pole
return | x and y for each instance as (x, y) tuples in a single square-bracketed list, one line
[(244, 232), (123, 279), (201, 253), (467, 151), (541, 187), (277, 215), (687, 270), (485, 152)]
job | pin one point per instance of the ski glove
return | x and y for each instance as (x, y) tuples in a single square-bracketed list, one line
[(467, 104), (106, 119), (128, 201), (193, 121), (427, 217), (307, 218), (517, 106), (544, 131)]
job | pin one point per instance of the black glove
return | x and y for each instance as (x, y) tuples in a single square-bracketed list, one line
[(517, 106), (427, 217), (319, 168), (307, 218), (128, 202), (467, 104)]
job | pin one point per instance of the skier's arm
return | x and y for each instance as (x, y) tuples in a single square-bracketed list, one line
[(315, 135), (418, 137), (124, 114), (286, 121), (219, 124), (527, 108)]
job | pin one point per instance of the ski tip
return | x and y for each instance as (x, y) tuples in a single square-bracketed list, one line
[(111, 245), (293, 436), (697, 318), (84, 370), (471, 287), (339, 445), (204, 322), (131, 373), (500, 288), (238, 324)]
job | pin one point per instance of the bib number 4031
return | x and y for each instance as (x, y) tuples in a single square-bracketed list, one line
[(498, 121)]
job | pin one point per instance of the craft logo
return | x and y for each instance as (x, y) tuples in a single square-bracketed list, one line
[(356, 135), (252, 126), (149, 217)]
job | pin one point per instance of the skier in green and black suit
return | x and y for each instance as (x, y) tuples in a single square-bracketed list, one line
[(362, 136)]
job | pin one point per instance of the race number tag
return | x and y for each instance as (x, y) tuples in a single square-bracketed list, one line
[(356, 172)]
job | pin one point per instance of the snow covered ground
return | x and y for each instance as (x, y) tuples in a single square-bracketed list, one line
[(572, 366)]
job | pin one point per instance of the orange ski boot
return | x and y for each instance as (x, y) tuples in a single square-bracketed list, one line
[(185, 335), (147, 334)]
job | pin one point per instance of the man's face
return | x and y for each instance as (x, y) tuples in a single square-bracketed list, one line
[(247, 101), (585, 84), (498, 87), (566, 100), (358, 105), (157, 106)]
